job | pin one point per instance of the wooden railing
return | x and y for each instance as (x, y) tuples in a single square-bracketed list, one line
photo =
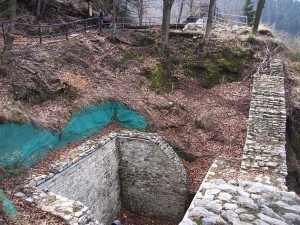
[(42, 31)]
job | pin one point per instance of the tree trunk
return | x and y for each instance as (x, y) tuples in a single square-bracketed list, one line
[(209, 22), (180, 12), (191, 7), (141, 12), (126, 8), (166, 21), (44, 6), (8, 37), (38, 8), (114, 17), (12, 14), (90, 9), (259, 9)]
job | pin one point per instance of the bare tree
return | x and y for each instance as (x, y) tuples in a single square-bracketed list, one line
[(115, 2), (257, 16), (191, 7), (38, 8), (12, 14), (166, 21), (180, 11), (139, 7), (8, 37), (212, 5)]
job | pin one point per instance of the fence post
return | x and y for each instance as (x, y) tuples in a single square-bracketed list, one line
[(40, 33), (3, 31), (84, 25), (66, 26), (99, 25)]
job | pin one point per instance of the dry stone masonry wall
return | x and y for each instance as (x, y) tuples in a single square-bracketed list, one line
[(94, 182), (257, 194), (264, 157), (149, 182), (86, 186)]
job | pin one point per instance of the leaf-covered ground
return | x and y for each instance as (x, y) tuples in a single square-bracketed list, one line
[(46, 83)]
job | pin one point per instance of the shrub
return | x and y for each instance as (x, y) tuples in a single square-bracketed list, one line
[(251, 38), (296, 56)]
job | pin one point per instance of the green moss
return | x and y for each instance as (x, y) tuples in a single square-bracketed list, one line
[(127, 56), (296, 56), (251, 38), (66, 212), (233, 60), (157, 78), (76, 208), (198, 221), (212, 76), (298, 68), (165, 106), (50, 200)]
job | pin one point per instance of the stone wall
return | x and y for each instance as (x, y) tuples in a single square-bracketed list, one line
[(256, 193), (85, 186), (264, 156), (94, 181), (149, 180)]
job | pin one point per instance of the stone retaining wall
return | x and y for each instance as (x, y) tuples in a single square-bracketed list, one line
[(94, 181), (257, 194), (149, 180), (264, 157), (86, 187)]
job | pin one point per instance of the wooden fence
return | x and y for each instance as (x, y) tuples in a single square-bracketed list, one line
[(43, 31)]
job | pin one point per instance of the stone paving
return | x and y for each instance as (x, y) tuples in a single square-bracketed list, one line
[(257, 194)]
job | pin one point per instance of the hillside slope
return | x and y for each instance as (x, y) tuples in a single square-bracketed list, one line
[(203, 114)]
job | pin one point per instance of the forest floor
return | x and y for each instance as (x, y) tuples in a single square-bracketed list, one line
[(65, 76)]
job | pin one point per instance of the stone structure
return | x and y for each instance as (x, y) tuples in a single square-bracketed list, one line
[(151, 184), (134, 170), (264, 158), (257, 193), (94, 181), (250, 190)]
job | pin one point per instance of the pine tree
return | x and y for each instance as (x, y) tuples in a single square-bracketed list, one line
[(248, 11)]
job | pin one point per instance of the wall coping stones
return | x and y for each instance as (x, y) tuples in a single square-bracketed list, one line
[(74, 212), (258, 194)]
